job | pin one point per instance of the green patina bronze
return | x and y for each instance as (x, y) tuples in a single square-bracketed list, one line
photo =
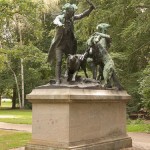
[(99, 44), (64, 41)]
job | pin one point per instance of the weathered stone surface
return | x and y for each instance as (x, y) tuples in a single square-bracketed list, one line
[(78, 119)]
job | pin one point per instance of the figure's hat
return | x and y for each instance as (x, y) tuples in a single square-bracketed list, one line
[(70, 6), (102, 26)]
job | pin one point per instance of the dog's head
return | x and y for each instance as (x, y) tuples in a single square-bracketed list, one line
[(72, 60), (94, 39)]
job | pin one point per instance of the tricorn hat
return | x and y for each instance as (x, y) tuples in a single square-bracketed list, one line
[(70, 6)]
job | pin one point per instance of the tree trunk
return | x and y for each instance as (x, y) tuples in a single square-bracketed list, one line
[(14, 98), (22, 68), (0, 99), (22, 81), (17, 85)]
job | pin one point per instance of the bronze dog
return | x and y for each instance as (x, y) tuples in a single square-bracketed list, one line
[(74, 63)]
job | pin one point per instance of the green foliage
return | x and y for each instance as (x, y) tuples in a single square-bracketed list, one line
[(22, 32), (2, 60), (130, 30), (20, 17), (36, 68), (130, 40), (47, 34), (6, 81), (138, 121), (144, 88)]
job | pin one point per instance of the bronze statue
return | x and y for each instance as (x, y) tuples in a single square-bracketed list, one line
[(64, 41), (74, 63), (98, 51), (94, 53)]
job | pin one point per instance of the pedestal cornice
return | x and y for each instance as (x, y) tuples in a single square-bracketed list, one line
[(71, 95)]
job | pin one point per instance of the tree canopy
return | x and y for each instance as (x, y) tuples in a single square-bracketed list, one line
[(26, 31)]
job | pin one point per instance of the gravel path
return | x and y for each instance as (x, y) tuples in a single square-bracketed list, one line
[(17, 127), (141, 141)]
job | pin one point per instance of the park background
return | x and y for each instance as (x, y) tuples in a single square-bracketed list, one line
[(26, 31)]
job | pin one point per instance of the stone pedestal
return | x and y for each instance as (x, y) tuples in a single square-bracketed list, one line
[(78, 119)]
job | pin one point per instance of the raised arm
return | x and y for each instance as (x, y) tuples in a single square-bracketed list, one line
[(85, 13)]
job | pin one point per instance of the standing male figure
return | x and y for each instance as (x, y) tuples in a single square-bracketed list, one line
[(64, 41)]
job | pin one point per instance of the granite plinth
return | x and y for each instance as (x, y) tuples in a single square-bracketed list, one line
[(78, 119)]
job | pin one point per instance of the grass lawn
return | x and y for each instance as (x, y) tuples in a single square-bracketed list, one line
[(16, 116), (138, 126), (13, 139), (6, 104)]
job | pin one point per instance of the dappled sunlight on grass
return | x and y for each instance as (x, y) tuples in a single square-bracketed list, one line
[(17, 116), (13, 139)]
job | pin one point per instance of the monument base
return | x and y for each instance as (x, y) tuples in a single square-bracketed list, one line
[(78, 119), (115, 144)]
